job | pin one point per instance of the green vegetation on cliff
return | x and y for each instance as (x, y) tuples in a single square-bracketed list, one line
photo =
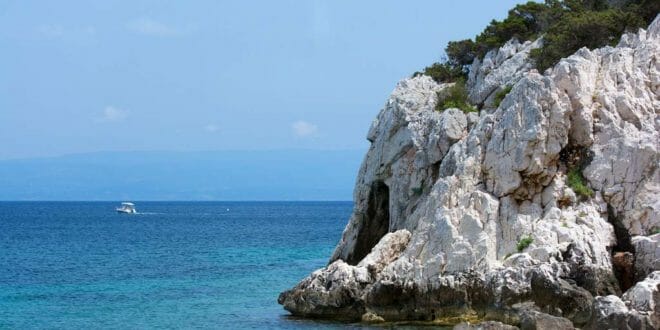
[(565, 25), (455, 96), (576, 181), (501, 95), (523, 243), (584, 28)]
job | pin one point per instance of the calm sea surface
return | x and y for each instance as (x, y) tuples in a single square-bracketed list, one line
[(183, 264)]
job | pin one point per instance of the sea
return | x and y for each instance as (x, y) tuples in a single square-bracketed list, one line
[(215, 265)]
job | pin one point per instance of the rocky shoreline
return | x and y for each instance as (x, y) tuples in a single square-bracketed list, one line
[(475, 216)]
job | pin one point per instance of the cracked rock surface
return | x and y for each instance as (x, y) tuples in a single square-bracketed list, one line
[(461, 214)]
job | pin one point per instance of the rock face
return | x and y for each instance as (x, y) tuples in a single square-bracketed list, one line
[(337, 288), (499, 68), (457, 215), (647, 255)]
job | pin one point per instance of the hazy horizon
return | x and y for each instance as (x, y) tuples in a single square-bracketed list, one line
[(266, 175)]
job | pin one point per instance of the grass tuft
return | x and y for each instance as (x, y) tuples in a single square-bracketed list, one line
[(501, 95), (524, 242), (577, 182)]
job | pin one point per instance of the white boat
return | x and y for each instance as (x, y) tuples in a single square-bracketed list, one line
[(126, 207)]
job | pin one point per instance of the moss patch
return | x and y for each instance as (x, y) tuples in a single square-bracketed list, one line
[(524, 242)]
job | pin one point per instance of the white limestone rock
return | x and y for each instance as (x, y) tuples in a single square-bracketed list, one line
[(531, 129), (610, 312), (386, 251), (461, 192), (647, 254), (340, 285), (499, 68), (625, 102), (409, 138), (638, 308)]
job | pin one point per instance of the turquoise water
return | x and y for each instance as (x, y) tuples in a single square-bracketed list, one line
[(174, 265)]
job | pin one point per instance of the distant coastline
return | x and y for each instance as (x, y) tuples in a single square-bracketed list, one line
[(272, 175)]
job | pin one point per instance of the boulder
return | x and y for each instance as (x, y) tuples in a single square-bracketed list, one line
[(647, 255), (611, 313), (644, 297), (532, 320)]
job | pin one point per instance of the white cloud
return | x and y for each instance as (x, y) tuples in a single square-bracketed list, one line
[(51, 30), (112, 114), (302, 128), (149, 27), (212, 128)]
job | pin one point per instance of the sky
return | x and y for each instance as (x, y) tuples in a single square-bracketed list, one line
[(92, 75)]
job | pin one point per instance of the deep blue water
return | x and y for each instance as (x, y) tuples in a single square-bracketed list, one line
[(182, 264)]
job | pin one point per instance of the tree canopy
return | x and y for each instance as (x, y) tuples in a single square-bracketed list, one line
[(564, 25)]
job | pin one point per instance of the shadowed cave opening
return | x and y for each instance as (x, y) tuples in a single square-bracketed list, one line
[(375, 222), (623, 253)]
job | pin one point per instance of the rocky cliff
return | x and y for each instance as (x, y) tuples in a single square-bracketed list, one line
[(543, 207)]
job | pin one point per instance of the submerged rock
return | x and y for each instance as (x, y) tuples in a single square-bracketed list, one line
[(474, 215), (488, 325)]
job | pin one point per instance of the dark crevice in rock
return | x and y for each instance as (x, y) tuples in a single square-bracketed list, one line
[(576, 157), (623, 253), (435, 172), (447, 165), (623, 239), (375, 222)]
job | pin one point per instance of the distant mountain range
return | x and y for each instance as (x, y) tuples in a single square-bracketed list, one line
[(163, 175)]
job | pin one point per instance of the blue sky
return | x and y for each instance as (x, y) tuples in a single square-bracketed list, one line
[(86, 76)]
